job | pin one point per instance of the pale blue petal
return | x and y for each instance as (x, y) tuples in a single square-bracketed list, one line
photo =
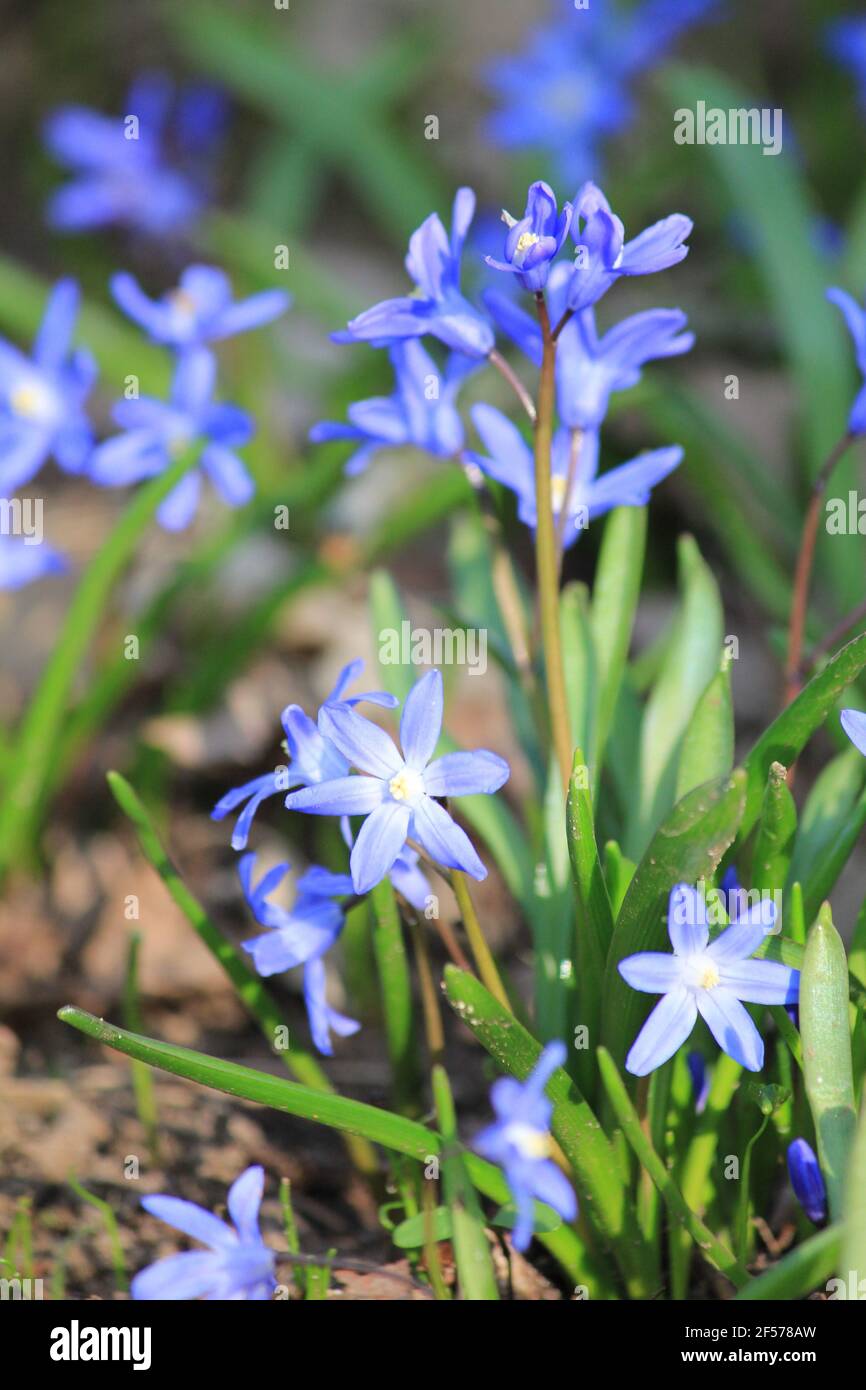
[(666, 1029), (854, 723), (761, 981), (687, 920), (342, 796), (366, 746), (421, 721), (466, 774), (444, 840), (188, 1275), (379, 841), (731, 1026), (192, 1219), (244, 1200), (651, 971)]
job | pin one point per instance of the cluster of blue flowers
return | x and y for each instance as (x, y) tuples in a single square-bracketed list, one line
[(589, 368), (397, 797), (43, 405), (571, 88)]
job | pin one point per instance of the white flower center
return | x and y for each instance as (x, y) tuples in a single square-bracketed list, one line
[(529, 1142), (406, 785), (182, 304), (33, 400), (701, 972)]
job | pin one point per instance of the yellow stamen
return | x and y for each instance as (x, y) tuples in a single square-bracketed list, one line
[(406, 785)]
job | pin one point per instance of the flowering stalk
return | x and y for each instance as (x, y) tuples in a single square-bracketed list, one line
[(803, 572), (546, 549), (481, 952)]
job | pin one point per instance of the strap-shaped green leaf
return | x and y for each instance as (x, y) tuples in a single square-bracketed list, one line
[(708, 744), (827, 1064)]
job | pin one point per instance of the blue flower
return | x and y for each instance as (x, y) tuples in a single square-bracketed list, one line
[(855, 319), (200, 310), (519, 1141), (710, 978), (603, 254), (397, 794), (854, 723), (301, 935), (22, 564), (534, 241), (807, 1181), (589, 368), (422, 411), (125, 173), (156, 433), (237, 1265), (577, 491), (312, 757), (42, 396), (437, 306), (846, 42), (570, 88)]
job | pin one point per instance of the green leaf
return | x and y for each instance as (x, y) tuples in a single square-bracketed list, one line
[(471, 1246), (594, 912), (827, 1063), (801, 1272), (854, 1248), (574, 1125), (788, 734), (412, 1233), (579, 662), (708, 744), (679, 1213), (615, 594), (36, 738), (774, 841), (830, 824), (248, 985), (687, 847), (690, 661)]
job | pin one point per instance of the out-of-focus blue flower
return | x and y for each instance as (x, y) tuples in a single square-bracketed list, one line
[(237, 1265), (700, 1079), (437, 306), (156, 433), (397, 795), (603, 254), (200, 310), (807, 1180), (589, 368), (710, 978), (519, 1141), (534, 241), (22, 564), (577, 493), (570, 88), (855, 319), (301, 935), (312, 756), (422, 411), (141, 170), (42, 396), (846, 42)]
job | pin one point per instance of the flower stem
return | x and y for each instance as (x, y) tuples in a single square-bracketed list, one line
[(546, 556), (481, 952), (429, 993), (498, 361), (803, 571)]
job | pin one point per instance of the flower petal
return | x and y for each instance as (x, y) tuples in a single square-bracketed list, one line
[(552, 1186), (687, 920), (366, 746), (379, 841), (731, 1026), (761, 981), (421, 721), (854, 723), (651, 971), (466, 774), (342, 796), (188, 1275), (444, 840), (192, 1219), (244, 1200), (666, 1029)]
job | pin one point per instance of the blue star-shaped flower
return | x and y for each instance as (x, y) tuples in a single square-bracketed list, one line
[(710, 978), (200, 310), (807, 1180), (536, 239), (157, 432), (603, 254), (397, 796), (422, 411), (42, 396), (238, 1264), (437, 306), (519, 1141)]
